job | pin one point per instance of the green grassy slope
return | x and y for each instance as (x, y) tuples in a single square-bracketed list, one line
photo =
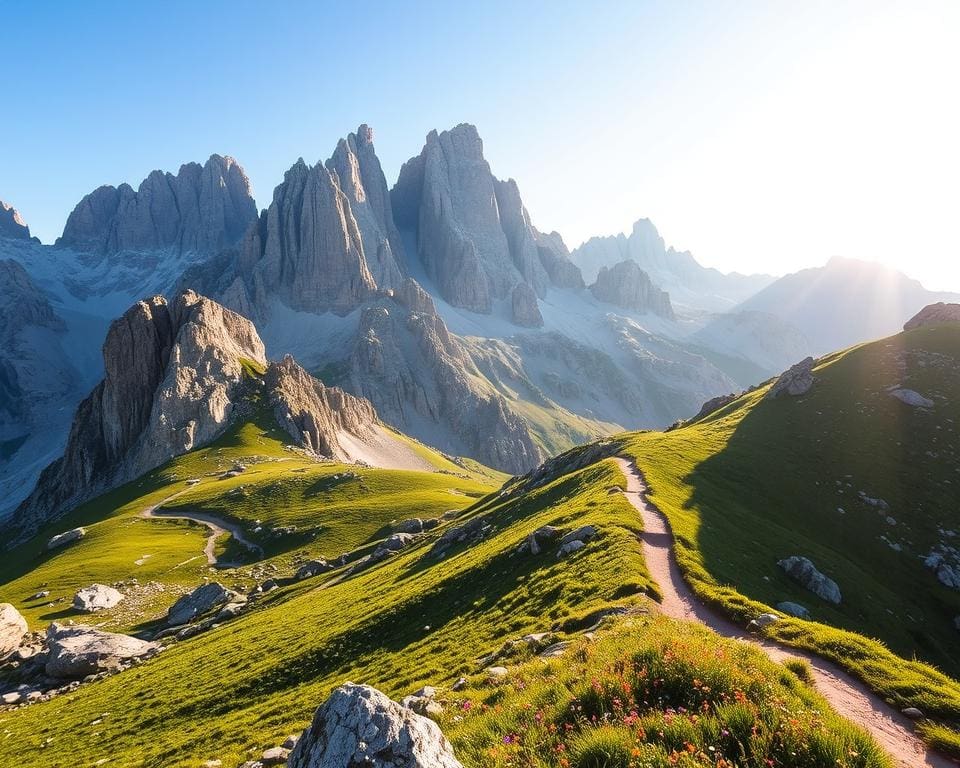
[(414, 620), (281, 487), (764, 479)]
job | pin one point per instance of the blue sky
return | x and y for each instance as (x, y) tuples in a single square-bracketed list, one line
[(764, 136)]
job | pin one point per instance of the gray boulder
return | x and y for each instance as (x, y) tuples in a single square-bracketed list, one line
[(543, 534), (96, 597), (62, 539), (795, 381), (413, 525), (583, 533), (312, 568), (911, 398), (793, 609), (934, 314), (358, 725), (78, 651), (803, 571), (762, 621), (13, 628), (202, 600)]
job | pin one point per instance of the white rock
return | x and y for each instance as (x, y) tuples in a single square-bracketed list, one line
[(358, 725), (13, 628), (96, 597)]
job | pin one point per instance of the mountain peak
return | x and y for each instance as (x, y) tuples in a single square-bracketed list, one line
[(12, 224), (203, 209)]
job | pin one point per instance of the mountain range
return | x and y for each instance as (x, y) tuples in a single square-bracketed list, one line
[(437, 300), (400, 436)]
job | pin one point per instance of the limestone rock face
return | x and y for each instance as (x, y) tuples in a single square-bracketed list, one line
[(474, 236), (805, 573), (12, 224), (933, 314), (555, 258), (796, 381), (626, 285), (202, 209), (524, 307), (422, 381), (358, 725), (78, 651), (13, 627), (173, 374), (328, 241), (320, 418), (362, 181)]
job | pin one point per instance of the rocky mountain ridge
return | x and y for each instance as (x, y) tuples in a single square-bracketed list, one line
[(177, 375), (202, 209), (12, 224)]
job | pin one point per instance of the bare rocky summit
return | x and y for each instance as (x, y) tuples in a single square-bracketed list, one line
[(933, 314), (627, 286), (474, 236), (202, 209), (12, 224)]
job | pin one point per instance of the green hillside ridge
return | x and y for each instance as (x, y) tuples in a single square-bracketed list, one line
[(281, 486), (415, 619), (763, 479)]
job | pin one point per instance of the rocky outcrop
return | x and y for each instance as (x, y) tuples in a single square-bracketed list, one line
[(11, 223), (422, 381), (358, 725), (318, 417), (201, 601), (713, 405), (805, 573), (96, 597), (78, 651), (911, 397), (627, 286), (13, 628), (474, 236), (934, 314), (555, 258), (796, 381), (67, 537), (202, 209), (677, 272), (174, 373), (524, 309)]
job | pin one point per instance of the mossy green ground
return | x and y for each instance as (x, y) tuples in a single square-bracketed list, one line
[(765, 479)]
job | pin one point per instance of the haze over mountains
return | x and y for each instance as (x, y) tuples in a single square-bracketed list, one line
[(437, 300)]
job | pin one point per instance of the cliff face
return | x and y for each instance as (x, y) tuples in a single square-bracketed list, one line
[(202, 209), (423, 382), (326, 243), (11, 224), (627, 286), (173, 374), (474, 236)]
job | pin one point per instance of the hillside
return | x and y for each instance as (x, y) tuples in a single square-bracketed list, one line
[(438, 610), (844, 302)]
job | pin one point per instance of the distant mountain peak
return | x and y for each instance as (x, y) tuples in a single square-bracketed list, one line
[(203, 209), (12, 224)]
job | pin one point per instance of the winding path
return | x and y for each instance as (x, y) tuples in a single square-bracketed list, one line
[(849, 696), (215, 524)]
